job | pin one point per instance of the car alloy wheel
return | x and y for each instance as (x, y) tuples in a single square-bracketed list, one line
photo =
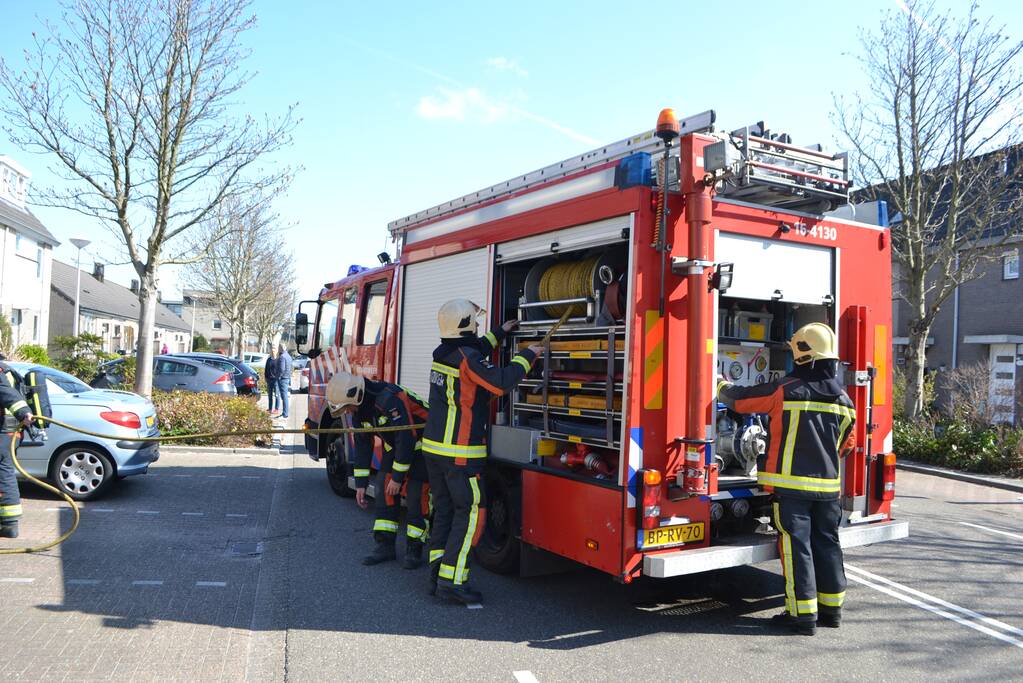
[(82, 472)]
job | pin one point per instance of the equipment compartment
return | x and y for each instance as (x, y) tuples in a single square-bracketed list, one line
[(573, 398)]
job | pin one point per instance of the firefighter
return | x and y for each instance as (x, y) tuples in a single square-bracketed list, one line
[(13, 404), (380, 404), (811, 428), (462, 382)]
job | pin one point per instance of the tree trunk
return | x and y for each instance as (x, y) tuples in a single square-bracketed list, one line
[(144, 343)]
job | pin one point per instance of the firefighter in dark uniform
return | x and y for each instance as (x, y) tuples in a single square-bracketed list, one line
[(811, 428), (15, 410), (381, 404), (462, 382)]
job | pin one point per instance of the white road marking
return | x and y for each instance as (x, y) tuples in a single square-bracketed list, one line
[(251, 476), (148, 512), (181, 475), (230, 514), (16, 580), (217, 476), (864, 577), (211, 584), (994, 531), (524, 677), (474, 605), (147, 583), (100, 509), (193, 514), (82, 582), (54, 509)]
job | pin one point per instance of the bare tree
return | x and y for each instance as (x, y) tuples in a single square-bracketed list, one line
[(133, 99), (934, 137), (245, 266), (272, 311)]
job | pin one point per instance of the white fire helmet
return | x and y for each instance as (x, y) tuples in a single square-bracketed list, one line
[(458, 317), (812, 342), (344, 389)]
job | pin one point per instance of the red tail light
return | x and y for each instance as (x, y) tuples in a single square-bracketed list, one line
[(122, 419), (250, 381), (224, 379), (650, 512), (887, 487)]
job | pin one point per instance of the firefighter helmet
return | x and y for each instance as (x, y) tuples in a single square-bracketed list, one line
[(344, 389), (458, 317), (812, 342)]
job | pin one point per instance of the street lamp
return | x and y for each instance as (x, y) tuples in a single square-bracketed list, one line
[(81, 244)]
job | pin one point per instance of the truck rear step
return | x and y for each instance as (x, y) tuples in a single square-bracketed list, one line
[(757, 548)]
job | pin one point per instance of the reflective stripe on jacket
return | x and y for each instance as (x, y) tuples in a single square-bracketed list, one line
[(462, 381), (809, 431)]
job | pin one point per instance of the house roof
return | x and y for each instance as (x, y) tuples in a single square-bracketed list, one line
[(25, 221), (108, 298)]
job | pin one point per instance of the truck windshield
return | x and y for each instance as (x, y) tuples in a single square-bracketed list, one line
[(327, 329)]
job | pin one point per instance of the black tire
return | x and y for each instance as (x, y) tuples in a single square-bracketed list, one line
[(499, 546), (82, 472), (338, 470)]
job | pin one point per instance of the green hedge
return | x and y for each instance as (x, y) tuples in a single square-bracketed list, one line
[(183, 412)]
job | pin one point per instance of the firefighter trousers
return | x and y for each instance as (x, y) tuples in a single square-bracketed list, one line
[(459, 515), (10, 497), (811, 556), (388, 510)]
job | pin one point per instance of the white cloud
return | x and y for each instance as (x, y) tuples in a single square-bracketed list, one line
[(469, 104), (506, 64)]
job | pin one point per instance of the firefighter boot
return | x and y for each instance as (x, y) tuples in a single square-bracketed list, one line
[(787, 621), (9, 530), (434, 571), (829, 619), (458, 593), (383, 552), (413, 554)]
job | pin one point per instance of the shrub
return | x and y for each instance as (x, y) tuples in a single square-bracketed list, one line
[(32, 353), (80, 356), (199, 343), (6, 334), (182, 412)]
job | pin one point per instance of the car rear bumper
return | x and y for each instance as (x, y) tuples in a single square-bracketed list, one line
[(757, 548), (135, 457)]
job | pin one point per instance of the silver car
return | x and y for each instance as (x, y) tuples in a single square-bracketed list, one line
[(83, 466), (172, 373)]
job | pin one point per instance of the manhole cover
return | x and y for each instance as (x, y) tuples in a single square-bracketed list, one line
[(245, 548)]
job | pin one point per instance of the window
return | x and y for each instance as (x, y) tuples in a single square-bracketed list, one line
[(17, 242), (347, 316), (16, 316), (67, 383), (39, 262), (1010, 265), (216, 324), (35, 328), (169, 367), (373, 316)]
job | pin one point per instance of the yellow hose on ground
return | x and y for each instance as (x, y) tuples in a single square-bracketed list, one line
[(150, 439)]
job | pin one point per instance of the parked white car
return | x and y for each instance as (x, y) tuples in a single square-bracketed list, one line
[(256, 360)]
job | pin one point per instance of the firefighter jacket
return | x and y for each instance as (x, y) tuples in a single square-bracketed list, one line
[(11, 399), (389, 405), (462, 382), (811, 427)]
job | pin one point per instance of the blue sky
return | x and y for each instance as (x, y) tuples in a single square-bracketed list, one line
[(405, 105)]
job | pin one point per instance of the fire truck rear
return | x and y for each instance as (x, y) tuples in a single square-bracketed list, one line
[(678, 259)]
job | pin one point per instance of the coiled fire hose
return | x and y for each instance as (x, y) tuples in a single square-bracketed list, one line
[(150, 439)]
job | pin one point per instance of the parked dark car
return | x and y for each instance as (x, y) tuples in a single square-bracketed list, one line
[(246, 379), (171, 373)]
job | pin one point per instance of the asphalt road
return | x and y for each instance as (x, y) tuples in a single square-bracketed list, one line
[(248, 568)]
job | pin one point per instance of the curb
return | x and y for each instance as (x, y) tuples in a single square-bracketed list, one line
[(1007, 484), (219, 450)]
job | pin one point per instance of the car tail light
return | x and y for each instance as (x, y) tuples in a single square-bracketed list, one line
[(887, 487), (650, 512), (122, 419), (224, 379), (250, 381)]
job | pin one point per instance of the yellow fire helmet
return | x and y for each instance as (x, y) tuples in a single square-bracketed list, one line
[(344, 389), (815, 341), (458, 317)]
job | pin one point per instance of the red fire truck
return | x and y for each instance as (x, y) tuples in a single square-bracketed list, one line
[(679, 258)]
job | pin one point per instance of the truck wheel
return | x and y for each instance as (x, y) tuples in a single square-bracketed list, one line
[(499, 545), (337, 470)]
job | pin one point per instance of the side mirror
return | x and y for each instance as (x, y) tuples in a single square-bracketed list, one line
[(301, 330)]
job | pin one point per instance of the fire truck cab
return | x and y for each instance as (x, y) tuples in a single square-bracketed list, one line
[(677, 261)]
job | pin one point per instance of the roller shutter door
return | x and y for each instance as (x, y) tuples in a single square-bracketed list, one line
[(426, 286)]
